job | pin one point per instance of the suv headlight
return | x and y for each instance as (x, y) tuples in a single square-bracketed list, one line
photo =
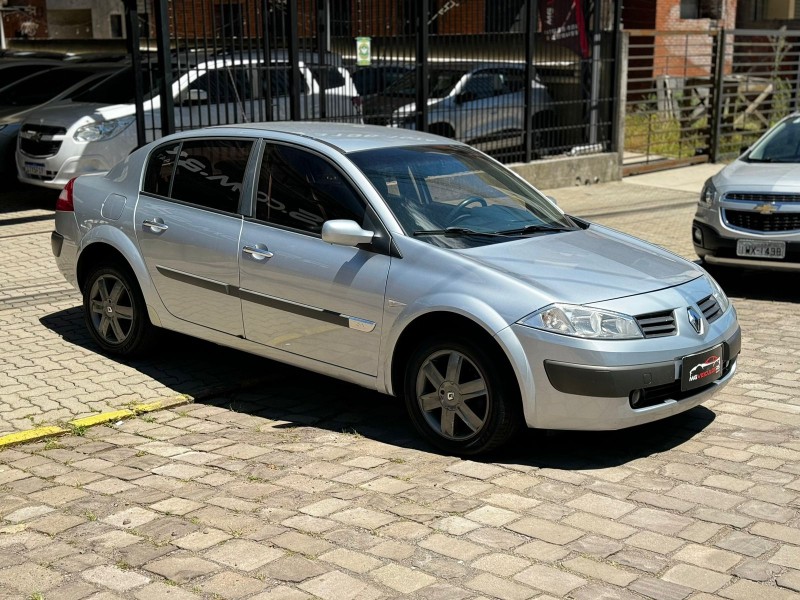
[(584, 322), (709, 194), (717, 292), (102, 130)]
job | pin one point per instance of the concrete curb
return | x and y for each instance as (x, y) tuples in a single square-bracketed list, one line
[(21, 437)]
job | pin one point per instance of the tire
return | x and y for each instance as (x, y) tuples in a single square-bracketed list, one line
[(439, 373), (115, 312)]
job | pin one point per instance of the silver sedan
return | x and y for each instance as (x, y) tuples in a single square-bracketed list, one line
[(400, 261)]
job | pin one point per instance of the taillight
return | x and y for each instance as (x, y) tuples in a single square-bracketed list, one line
[(64, 201)]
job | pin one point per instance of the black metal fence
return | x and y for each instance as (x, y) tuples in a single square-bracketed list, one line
[(483, 72), (700, 96)]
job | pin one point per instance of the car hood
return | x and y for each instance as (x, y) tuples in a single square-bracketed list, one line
[(70, 113), (758, 176), (586, 266)]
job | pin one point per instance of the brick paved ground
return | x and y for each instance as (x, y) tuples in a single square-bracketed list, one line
[(304, 487)]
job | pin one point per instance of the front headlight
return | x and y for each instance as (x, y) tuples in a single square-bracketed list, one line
[(724, 303), (709, 194), (584, 322), (102, 130)]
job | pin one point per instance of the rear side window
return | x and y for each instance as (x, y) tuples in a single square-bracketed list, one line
[(207, 173), (158, 174), (328, 78)]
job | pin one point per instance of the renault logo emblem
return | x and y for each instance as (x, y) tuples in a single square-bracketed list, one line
[(695, 320), (766, 209)]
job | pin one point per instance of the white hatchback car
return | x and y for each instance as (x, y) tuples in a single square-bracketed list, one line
[(401, 261), (93, 131)]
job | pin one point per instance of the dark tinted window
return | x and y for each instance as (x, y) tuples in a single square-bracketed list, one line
[(210, 173), (158, 174), (42, 86), (301, 190), (116, 89), (11, 73), (222, 86), (328, 78), (279, 82)]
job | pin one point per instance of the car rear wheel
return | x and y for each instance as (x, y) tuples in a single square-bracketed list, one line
[(460, 397), (115, 312)]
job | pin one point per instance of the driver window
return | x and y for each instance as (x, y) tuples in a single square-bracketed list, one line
[(301, 190)]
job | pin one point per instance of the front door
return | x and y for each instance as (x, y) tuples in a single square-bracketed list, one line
[(300, 294)]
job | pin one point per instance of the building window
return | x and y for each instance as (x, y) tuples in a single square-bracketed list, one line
[(701, 9), (116, 26), (780, 9)]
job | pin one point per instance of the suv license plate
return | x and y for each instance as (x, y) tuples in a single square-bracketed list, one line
[(702, 368), (760, 249), (35, 169)]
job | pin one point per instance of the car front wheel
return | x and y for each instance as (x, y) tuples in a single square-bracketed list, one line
[(115, 312), (460, 397)]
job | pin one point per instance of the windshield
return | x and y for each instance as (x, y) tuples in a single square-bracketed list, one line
[(782, 144), (453, 196), (41, 87), (440, 83)]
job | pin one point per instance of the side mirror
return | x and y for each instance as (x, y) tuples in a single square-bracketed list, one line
[(344, 232)]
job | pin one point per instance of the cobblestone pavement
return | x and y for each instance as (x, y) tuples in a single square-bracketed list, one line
[(303, 487)]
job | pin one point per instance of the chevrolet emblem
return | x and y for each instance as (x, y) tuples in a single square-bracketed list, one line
[(766, 209)]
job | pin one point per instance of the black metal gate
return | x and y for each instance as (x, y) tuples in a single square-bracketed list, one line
[(704, 96), (491, 72)]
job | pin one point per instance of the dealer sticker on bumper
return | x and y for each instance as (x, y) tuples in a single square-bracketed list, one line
[(702, 368)]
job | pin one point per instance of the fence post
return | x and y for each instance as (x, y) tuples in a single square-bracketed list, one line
[(164, 56), (618, 116), (531, 14), (132, 29), (266, 85), (718, 92), (294, 62), (422, 65)]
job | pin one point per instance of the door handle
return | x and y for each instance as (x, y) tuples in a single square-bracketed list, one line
[(257, 253), (155, 225)]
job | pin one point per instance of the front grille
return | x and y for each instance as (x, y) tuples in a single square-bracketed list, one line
[(42, 143), (658, 324), (745, 219), (752, 197), (711, 308)]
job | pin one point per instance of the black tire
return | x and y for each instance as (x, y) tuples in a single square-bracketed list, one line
[(486, 420), (115, 312)]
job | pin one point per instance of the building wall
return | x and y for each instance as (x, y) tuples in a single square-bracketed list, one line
[(30, 23), (82, 19)]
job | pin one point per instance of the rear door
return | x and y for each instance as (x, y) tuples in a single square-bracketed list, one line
[(188, 226)]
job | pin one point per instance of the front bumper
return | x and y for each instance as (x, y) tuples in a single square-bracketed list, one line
[(716, 249), (594, 384)]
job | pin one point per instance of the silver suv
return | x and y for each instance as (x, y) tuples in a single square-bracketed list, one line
[(93, 131)]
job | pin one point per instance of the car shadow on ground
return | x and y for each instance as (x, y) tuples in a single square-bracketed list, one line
[(304, 403)]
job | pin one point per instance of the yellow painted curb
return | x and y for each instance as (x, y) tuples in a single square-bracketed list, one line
[(102, 418), (21, 437), (39, 433)]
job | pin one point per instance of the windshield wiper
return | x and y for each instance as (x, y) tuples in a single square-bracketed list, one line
[(533, 229), (452, 231)]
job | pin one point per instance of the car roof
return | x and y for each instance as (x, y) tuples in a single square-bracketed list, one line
[(345, 137)]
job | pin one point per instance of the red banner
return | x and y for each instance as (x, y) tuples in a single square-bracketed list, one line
[(563, 23)]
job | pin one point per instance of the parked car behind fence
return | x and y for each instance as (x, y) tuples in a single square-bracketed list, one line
[(93, 131)]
